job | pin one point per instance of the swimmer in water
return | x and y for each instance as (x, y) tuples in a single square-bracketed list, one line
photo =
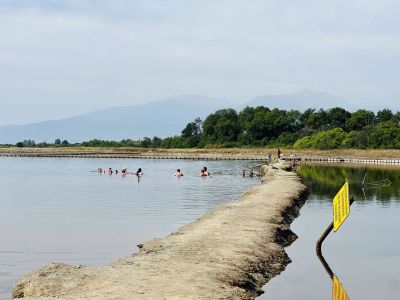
[(178, 173), (204, 172), (139, 172)]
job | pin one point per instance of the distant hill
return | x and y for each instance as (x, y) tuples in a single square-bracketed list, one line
[(301, 100), (160, 118)]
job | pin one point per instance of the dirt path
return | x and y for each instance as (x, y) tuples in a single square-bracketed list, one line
[(228, 253)]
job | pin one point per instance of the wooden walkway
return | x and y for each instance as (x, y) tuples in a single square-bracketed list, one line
[(374, 161), (136, 156)]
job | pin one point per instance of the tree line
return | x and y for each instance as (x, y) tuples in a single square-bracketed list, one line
[(32, 143), (263, 127)]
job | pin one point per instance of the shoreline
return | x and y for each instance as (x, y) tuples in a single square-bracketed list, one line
[(228, 253), (387, 157)]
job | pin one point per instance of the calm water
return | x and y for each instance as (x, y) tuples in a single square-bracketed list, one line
[(59, 210), (365, 252)]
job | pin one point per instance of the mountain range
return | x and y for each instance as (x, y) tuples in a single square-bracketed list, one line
[(161, 118), (300, 100)]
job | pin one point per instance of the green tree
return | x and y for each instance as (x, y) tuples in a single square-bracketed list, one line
[(192, 133), (384, 115), (305, 116), (146, 142), (221, 126), (360, 119), (356, 139), (173, 142), (258, 127), (156, 142), (247, 115), (42, 144), (293, 121), (385, 135), (29, 143), (338, 118), (269, 124), (287, 139), (129, 143), (318, 120), (57, 142)]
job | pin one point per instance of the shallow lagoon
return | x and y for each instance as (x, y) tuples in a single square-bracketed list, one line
[(364, 253), (60, 210)]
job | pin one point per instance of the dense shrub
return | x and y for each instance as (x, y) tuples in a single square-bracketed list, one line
[(329, 139)]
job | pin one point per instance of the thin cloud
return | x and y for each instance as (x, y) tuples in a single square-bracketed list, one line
[(106, 53)]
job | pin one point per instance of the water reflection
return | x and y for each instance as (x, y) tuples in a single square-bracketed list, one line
[(371, 183), (366, 245), (325, 180), (338, 291)]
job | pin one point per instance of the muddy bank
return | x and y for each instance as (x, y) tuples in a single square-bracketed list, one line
[(228, 253)]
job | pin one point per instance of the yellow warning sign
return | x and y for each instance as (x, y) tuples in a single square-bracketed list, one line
[(341, 206), (338, 292)]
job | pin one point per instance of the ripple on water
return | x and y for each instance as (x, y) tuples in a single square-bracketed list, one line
[(363, 253)]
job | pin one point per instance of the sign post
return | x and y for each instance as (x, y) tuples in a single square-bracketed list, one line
[(341, 206), (341, 210)]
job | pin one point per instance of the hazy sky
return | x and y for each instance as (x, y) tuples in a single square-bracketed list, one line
[(59, 58)]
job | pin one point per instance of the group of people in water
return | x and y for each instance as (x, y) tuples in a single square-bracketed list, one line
[(203, 172), (123, 171), (139, 172)]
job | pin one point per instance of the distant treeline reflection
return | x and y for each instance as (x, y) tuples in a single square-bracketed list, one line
[(325, 181), (260, 126)]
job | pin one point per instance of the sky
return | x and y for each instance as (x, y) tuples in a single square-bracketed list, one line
[(66, 57)]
